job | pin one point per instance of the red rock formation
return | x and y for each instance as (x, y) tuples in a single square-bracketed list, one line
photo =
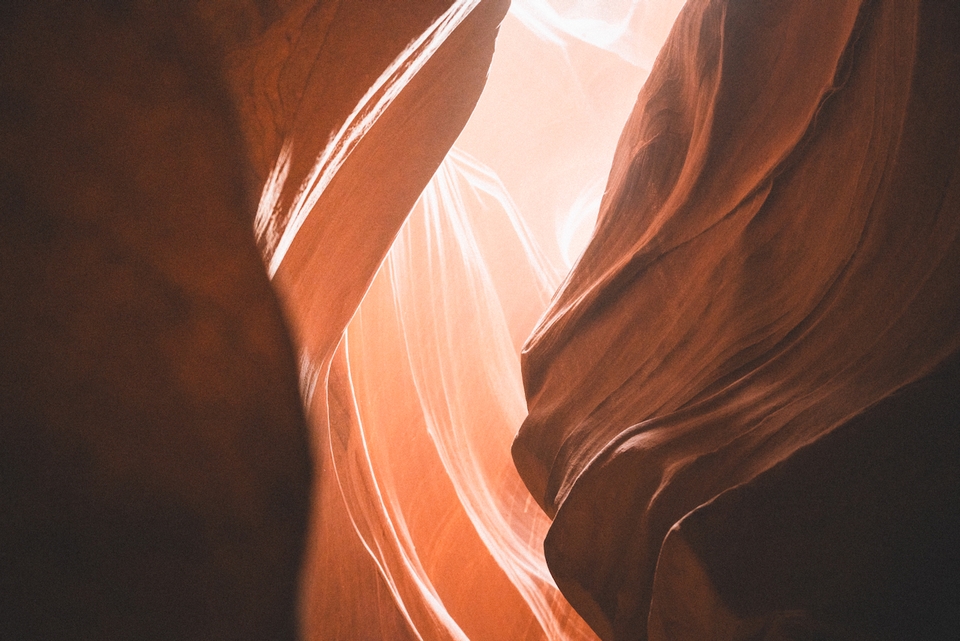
[(743, 404), (154, 457), (425, 399), (750, 354), (153, 450), (324, 268)]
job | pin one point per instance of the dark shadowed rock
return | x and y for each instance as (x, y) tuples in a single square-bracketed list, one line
[(155, 464), (154, 458)]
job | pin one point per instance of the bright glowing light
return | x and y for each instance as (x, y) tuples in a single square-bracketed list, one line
[(277, 231), (426, 381), (435, 298), (632, 29), (572, 232)]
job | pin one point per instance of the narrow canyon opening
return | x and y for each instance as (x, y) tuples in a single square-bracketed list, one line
[(468, 319)]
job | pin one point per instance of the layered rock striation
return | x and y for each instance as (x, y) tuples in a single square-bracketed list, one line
[(156, 466), (743, 401)]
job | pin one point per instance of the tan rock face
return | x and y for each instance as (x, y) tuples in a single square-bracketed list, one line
[(776, 254)]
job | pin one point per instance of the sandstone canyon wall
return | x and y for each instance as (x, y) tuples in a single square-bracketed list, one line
[(743, 401), (741, 404), (156, 465)]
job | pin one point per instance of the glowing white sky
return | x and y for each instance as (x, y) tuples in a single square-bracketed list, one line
[(554, 105)]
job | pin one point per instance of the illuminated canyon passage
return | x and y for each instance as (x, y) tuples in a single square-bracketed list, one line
[(462, 319)]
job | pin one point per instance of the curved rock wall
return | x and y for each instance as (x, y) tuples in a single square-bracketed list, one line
[(757, 334), (153, 454), (743, 403), (155, 461)]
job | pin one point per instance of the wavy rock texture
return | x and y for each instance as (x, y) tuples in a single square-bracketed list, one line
[(742, 408), (743, 403), (345, 179), (155, 460)]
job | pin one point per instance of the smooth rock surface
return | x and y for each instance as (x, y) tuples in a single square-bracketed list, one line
[(777, 253), (153, 454), (156, 466)]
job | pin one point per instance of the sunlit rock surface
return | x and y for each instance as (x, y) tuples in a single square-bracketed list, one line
[(350, 145), (756, 352), (743, 401), (155, 462), (325, 229), (435, 535)]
